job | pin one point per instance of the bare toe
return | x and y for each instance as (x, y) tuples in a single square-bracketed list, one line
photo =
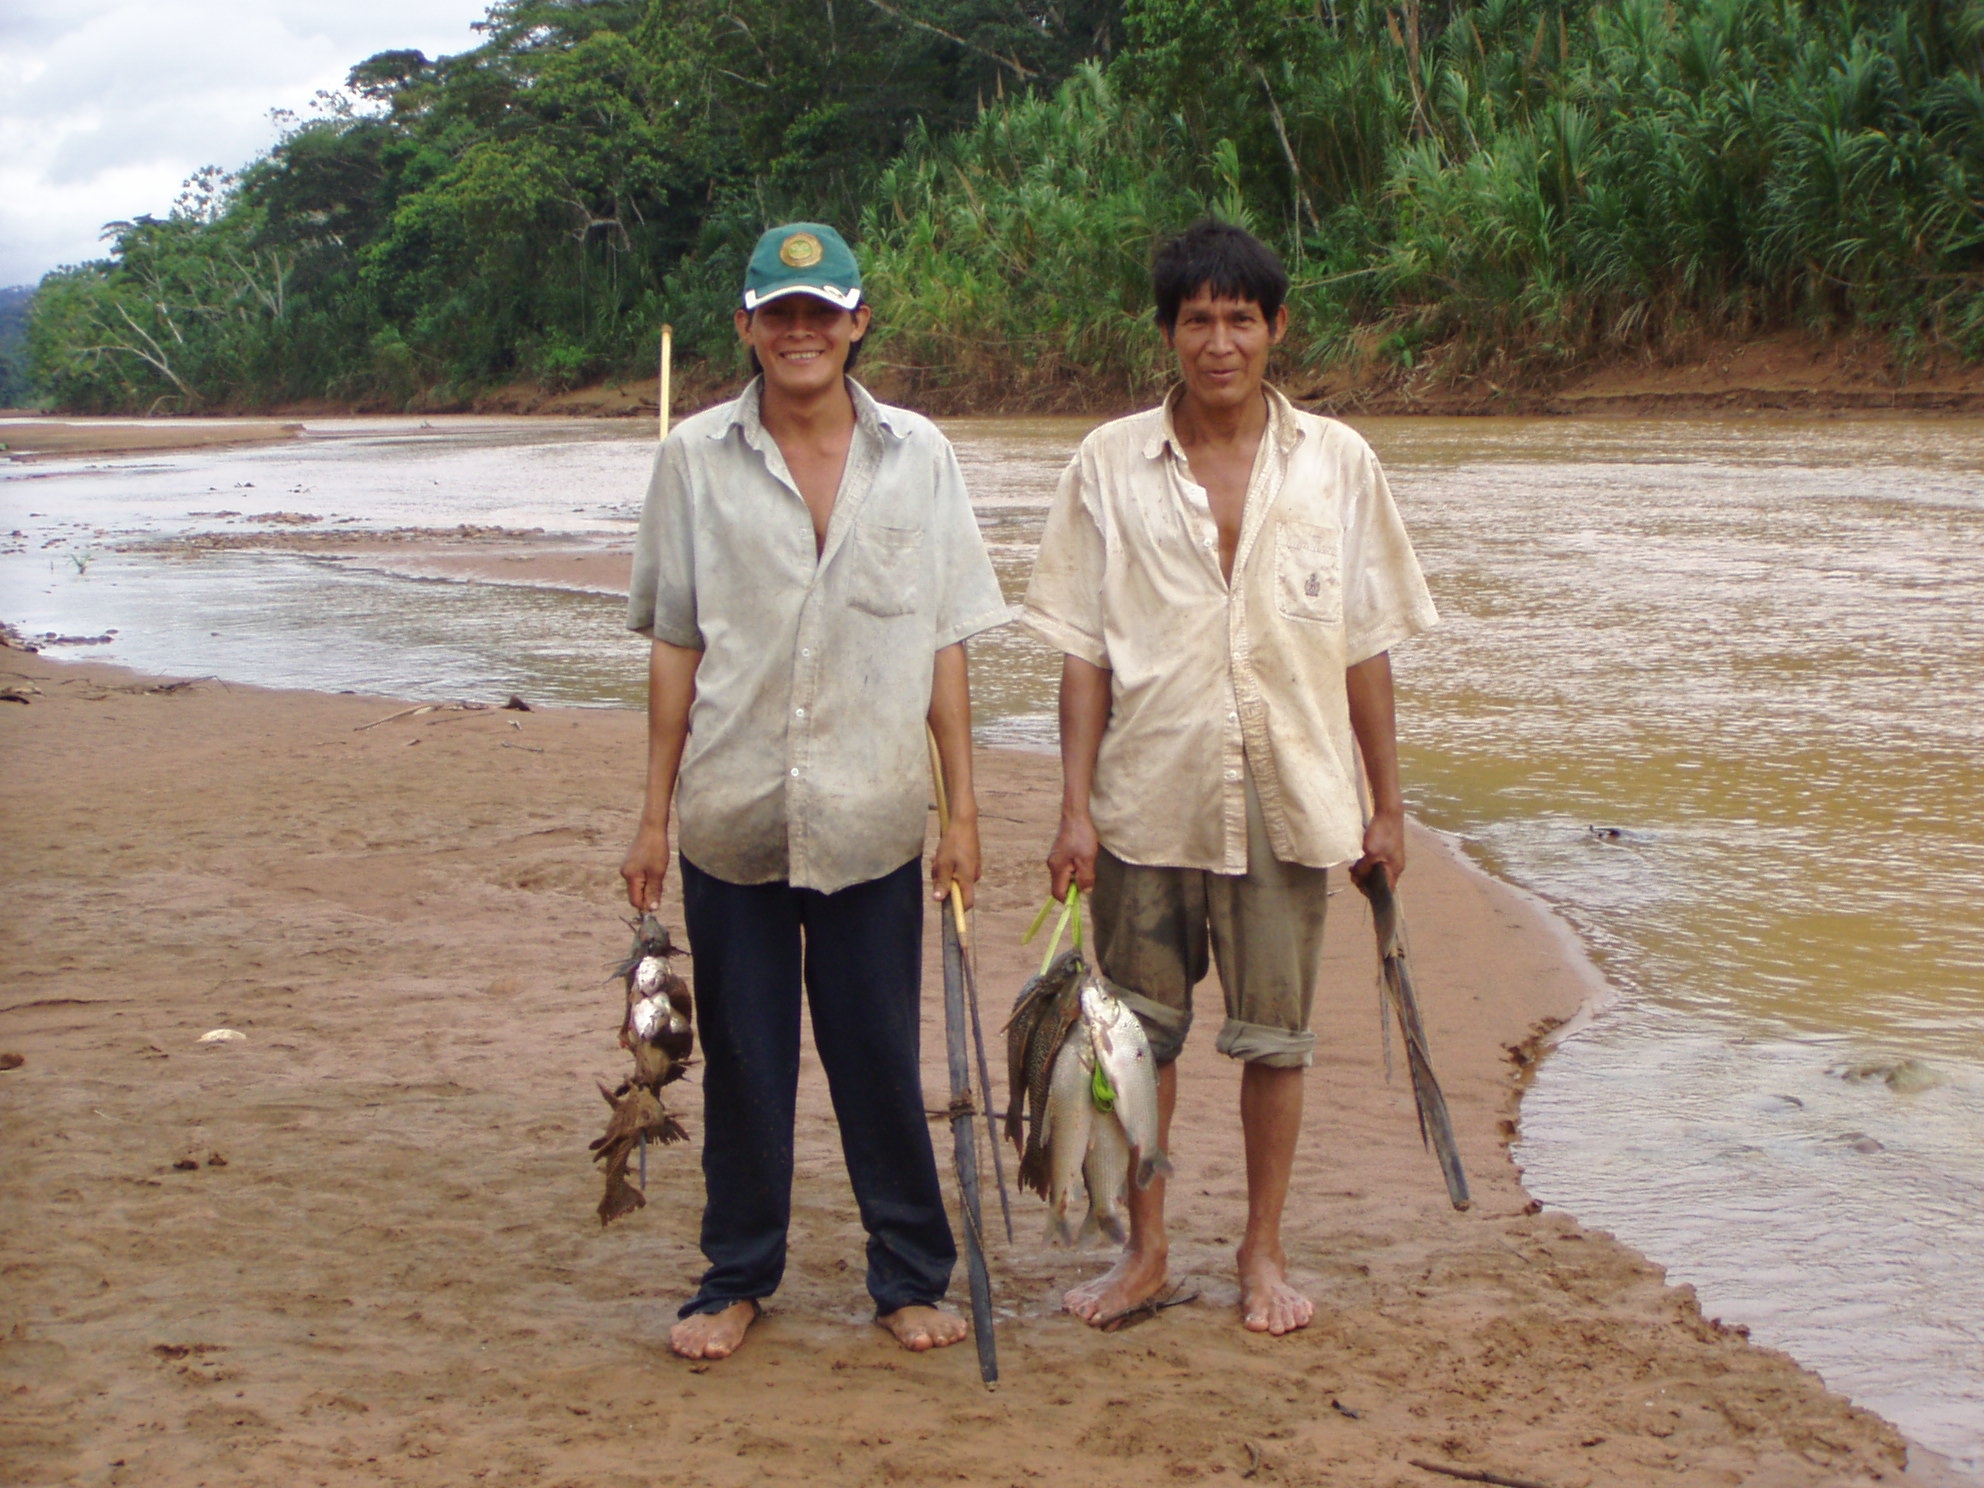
[(1268, 1304), (1283, 1311), (713, 1335), (1135, 1278), (920, 1329)]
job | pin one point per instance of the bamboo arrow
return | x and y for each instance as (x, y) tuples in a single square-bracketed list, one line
[(963, 1140)]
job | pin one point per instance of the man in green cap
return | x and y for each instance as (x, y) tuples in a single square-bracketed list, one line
[(808, 569)]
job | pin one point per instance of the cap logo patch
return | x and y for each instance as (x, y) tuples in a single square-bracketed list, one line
[(800, 251)]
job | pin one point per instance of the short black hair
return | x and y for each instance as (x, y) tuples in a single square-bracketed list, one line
[(853, 347), (1228, 261)]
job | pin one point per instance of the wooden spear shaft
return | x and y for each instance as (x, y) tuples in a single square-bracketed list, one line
[(667, 350), (963, 1141), (969, 962)]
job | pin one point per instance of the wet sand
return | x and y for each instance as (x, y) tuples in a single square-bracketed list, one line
[(396, 1274), (28, 438)]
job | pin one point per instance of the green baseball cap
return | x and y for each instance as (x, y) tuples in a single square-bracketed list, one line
[(803, 258)]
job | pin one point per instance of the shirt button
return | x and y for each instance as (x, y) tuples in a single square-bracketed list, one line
[(795, 770), (1230, 774), (798, 712), (805, 650), (1233, 718)]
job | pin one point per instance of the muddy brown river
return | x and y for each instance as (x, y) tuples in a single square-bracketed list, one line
[(1712, 689)]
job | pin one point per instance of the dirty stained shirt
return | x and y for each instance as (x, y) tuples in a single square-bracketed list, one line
[(1212, 681), (806, 758)]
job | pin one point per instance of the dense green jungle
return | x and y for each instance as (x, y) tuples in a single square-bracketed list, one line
[(1504, 189)]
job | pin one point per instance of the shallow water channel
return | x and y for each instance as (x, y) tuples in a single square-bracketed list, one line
[(1750, 652)]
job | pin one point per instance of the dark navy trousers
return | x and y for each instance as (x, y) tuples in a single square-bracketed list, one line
[(859, 953)]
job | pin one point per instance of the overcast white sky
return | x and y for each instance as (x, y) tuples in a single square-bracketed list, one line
[(106, 106)]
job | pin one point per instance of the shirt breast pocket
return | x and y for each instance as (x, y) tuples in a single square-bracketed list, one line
[(1308, 572), (888, 571)]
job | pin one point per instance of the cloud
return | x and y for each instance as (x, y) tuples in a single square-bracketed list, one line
[(107, 106)]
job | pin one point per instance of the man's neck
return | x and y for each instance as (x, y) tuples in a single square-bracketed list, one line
[(826, 415), (1239, 425)]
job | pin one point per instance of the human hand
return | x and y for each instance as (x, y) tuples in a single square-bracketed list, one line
[(956, 861), (646, 866), (1072, 858), (1384, 848)]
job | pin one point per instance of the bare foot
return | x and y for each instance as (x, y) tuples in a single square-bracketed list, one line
[(1268, 1304), (713, 1335), (1138, 1276), (920, 1329)]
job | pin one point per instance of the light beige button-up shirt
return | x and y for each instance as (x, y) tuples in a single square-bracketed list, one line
[(1212, 681), (806, 757)]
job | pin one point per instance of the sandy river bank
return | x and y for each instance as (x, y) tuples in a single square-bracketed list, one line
[(396, 1276), (1785, 371)]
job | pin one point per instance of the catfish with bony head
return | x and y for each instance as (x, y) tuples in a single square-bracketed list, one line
[(1049, 1022), (1040, 1012)]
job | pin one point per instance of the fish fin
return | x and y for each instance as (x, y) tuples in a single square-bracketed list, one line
[(1033, 1171), (621, 1197), (1091, 1227), (1059, 1230), (1148, 1168), (1112, 1226)]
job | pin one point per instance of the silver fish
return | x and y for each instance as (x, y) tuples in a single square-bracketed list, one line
[(1124, 1055), (655, 1016), (1064, 1128), (1107, 1174), (648, 972)]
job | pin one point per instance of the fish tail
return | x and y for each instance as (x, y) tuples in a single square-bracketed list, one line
[(1033, 1171), (1149, 1168), (1091, 1227)]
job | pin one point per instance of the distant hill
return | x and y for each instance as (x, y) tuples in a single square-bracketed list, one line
[(14, 302)]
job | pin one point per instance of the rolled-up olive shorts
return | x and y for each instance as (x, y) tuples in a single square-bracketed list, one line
[(1153, 925)]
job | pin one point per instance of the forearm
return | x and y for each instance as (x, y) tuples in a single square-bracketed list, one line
[(1373, 719), (950, 724), (671, 693), (1084, 717)]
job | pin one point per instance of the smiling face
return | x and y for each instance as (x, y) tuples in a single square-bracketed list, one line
[(1222, 346), (802, 341)]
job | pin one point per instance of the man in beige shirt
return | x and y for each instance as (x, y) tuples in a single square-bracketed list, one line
[(1225, 576), (808, 568)]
